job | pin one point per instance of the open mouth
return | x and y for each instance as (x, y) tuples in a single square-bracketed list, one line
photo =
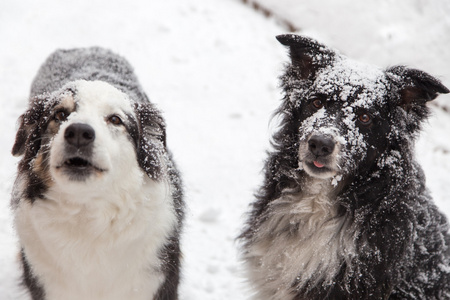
[(77, 162), (318, 169), (78, 168), (318, 164)]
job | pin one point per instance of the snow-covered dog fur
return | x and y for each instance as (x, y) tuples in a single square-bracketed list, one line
[(344, 212), (97, 199)]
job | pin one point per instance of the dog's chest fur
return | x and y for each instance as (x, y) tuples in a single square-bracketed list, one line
[(104, 248), (302, 242)]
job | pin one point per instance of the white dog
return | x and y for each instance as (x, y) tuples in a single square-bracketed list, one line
[(97, 200)]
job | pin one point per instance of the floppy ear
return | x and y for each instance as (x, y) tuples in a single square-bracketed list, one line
[(417, 87), (21, 138), (307, 54), (151, 146), (28, 132)]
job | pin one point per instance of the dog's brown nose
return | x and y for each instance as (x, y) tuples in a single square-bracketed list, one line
[(79, 135), (321, 145)]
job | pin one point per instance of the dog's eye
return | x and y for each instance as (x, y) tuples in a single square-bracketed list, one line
[(61, 116), (365, 118), (115, 120), (317, 103)]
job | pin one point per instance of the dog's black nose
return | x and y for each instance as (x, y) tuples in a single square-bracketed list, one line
[(79, 135), (321, 145)]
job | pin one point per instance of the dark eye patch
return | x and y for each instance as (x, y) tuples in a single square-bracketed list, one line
[(316, 101), (57, 115), (61, 115), (364, 117)]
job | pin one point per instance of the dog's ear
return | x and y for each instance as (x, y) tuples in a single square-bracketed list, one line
[(21, 138), (417, 87), (151, 144), (28, 132), (307, 54)]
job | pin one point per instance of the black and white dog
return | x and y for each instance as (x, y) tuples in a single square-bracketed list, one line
[(97, 200), (344, 212)]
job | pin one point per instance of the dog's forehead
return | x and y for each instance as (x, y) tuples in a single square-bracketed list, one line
[(353, 83), (99, 95)]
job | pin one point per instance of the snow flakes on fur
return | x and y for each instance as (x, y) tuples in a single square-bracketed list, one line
[(389, 239), (93, 63), (93, 87)]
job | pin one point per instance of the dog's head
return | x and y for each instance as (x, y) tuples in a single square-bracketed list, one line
[(340, 116), (85, 134)]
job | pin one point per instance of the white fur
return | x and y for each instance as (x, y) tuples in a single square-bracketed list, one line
[(302, 241), (99, 238), (96, 100)]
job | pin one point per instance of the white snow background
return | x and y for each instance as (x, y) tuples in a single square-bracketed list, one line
[(212, 66)]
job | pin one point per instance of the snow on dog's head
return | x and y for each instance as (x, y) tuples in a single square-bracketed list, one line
[(340, 116), (87, 136)]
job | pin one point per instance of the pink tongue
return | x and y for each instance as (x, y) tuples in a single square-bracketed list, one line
[(317, 164)]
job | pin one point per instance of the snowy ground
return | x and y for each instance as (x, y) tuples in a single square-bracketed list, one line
[(212, 67)]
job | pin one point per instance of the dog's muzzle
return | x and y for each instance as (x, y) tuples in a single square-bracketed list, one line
[(79, 143), (319, 155)]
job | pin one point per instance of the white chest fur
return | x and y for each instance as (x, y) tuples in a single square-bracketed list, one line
[(303, 241), (104, 248)]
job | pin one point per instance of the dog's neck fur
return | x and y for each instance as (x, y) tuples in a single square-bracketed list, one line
[(98, 248), (302, 243)]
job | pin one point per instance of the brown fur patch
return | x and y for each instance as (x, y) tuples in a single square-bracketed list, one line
[(68, 105), (41, 167)]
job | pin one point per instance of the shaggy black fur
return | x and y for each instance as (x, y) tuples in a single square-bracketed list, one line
[(401, 239), (62, 67)]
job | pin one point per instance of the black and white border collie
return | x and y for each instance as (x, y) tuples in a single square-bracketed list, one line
[(344, 212), (97, 200)]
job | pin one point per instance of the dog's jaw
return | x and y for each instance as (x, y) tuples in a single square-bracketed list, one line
[(78, 168), (322, 172)]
